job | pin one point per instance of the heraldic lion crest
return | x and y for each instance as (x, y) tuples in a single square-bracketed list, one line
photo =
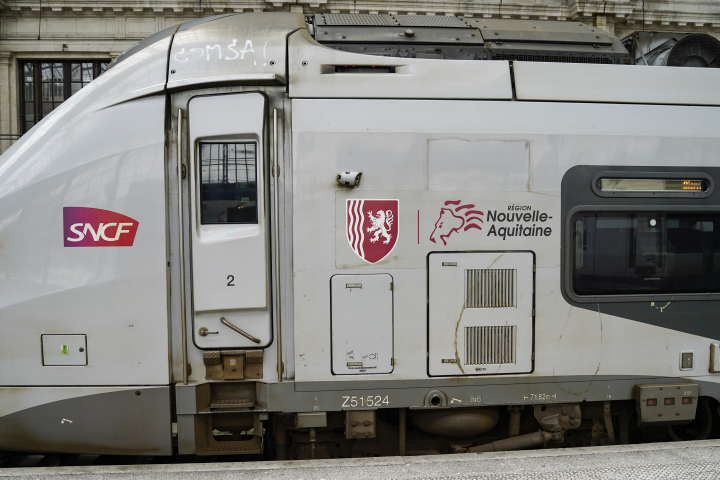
[(379, 222), (372, 227)]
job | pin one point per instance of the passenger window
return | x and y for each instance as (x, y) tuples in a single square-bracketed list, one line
[(228, 183), (645, 253)]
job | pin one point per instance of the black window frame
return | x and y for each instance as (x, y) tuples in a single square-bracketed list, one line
[(614, 298), (37, 85)]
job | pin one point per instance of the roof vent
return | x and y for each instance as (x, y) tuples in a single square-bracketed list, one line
[(699, 50), (673, 49)]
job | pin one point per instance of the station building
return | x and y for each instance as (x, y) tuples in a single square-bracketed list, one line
[(51, 49)]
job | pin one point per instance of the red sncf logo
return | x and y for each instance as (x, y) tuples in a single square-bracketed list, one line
[(93, 227)]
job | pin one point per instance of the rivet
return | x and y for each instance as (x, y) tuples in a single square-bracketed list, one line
[(367, 434), (172, 71), (677, 413), (138, 393), (272, 62)]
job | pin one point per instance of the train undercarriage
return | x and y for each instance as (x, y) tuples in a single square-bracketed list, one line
[(393, 432)]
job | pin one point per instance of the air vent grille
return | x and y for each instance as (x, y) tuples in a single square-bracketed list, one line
[(353, 19), (490, 345), (370, 20), (552, 58), (430, 21), (491, 288)]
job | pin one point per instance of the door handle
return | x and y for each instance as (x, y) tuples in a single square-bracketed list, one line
[(233, 327), (203, 332)]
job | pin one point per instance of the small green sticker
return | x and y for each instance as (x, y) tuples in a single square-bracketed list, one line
[(652, 304), (64, 350)]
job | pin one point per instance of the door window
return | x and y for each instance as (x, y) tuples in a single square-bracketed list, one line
[(228, 183)]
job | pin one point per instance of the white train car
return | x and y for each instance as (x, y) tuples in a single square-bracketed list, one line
[(357, 235)]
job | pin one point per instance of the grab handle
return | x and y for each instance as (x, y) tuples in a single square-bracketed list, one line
[(233, 327)]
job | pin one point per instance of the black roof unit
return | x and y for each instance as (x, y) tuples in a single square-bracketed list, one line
[(460, 38)]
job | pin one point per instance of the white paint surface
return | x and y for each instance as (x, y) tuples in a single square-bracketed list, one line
[(485, 166)]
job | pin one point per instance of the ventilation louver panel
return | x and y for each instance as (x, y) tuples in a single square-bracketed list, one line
[(491, 288), (551, 58), (352, 19), (364, 19), (490, 345)]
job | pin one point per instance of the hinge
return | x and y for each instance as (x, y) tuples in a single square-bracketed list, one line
[(532, 356), (391, 286), (533, 312), (533, 268), (392, 362)]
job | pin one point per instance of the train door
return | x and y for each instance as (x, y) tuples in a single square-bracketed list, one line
[(229, 221)]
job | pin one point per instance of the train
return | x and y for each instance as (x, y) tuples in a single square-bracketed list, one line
[(295, 236)]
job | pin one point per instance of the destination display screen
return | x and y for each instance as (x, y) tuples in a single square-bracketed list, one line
[(652, 185)]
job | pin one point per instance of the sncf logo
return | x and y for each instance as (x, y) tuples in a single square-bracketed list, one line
[(93, 227)]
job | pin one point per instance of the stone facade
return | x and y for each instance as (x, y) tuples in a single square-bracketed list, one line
[(97, 30)]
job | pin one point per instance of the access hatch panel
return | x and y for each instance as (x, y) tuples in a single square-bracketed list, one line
[(480, 313), (362, 324)]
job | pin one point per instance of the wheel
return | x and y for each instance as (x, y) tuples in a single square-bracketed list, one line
[(698, 429)]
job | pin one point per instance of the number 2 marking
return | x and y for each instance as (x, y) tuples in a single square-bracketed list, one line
[(231, 279)]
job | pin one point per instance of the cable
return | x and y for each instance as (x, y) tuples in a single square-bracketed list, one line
[(643, 15)]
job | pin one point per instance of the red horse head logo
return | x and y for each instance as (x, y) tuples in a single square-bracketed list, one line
[(450, 222)]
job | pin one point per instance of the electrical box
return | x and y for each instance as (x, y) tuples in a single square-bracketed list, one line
[(311, 420), (362, 324), (64, 350), (674, 403)]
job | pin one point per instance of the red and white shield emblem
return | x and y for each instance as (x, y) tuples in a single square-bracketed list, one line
[(372, 227)]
